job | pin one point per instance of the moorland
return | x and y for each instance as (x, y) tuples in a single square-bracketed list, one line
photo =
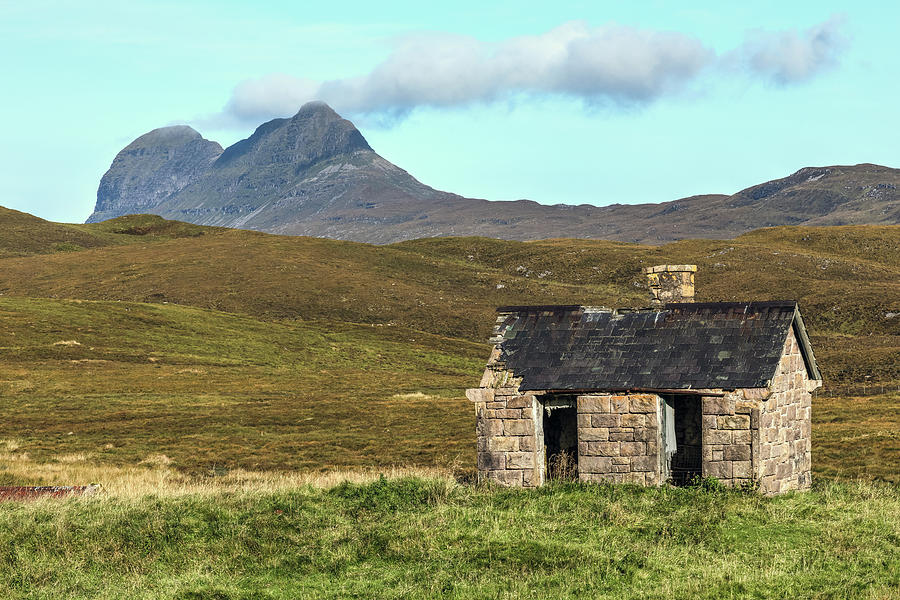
[(215, 380)]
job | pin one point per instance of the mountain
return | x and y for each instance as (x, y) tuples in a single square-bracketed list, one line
[(315, 174)]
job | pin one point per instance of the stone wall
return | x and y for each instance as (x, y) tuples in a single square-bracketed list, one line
[(728, 430), (618, 438), (508, 428), (784, 427)]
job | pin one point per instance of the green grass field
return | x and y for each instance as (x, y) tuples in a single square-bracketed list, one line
[(413, 538)]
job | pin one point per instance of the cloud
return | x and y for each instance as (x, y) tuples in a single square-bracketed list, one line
[(608, 65), (788, 57), (256, 99)]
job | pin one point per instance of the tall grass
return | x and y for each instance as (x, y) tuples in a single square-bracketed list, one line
[(433, 538)]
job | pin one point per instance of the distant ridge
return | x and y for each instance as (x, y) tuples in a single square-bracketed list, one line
[(315, 174)]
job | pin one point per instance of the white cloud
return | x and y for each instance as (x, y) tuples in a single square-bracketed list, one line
[(612, 64), (255, 100), (787, 57)]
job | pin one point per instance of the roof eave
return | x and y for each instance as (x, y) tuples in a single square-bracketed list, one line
[(809, 358)]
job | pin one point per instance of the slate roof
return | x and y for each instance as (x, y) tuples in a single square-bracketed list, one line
[(727, 345)]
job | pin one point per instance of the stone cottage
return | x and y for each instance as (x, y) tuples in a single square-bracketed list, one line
[(662, 394)]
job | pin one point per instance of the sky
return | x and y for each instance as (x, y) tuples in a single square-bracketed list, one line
[(564, 102)]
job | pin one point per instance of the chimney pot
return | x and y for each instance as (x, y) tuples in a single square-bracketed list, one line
[(671, 283)]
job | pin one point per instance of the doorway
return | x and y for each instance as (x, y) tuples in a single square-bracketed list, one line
[(682, 439), (560, 426)]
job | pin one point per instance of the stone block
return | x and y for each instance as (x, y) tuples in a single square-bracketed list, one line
[(783, 470), (741, 468), (621, 435), (492, 427), (530, 477), (480, 395), (633, 420), (605, 420), (737, 452), (488, 461), (619, 404), (644, 463), (622, 460), (510, 478), (584, 420), (643, 403), (718, 405), (593, 434), (606, 448), (632, 448), (506, 391), (594, 464), (514, 413), (719, 469), (717, 436), (646, 434), (593, 404), (623, 468), (718, 455), (526, 443), (520, 402), (518, 427), (503, 444), (520, 460), (733, 422), (755, 393), (741, 436)]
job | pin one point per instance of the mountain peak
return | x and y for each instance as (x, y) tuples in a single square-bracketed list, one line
[(314, 134), (173, 135), (317, 108)]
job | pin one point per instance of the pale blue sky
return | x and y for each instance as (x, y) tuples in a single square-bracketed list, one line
[(738, 93)]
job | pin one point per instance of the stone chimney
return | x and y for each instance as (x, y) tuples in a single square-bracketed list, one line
[(671, 283)]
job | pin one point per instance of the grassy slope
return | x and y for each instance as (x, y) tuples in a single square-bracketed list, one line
[(431, 539), (214, 390), (22, 234), (847, 280), (281, 380)]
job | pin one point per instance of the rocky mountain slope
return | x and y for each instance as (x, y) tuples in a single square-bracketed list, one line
[(314, 174)]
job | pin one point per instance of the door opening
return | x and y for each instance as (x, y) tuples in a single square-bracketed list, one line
[(561, 438), (682, 438)]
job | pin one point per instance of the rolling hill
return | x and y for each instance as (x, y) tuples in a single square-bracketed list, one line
[(154, 344), (847, 279), (314, 174)]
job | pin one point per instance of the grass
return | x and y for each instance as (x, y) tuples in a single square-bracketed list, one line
[(431, 538), (87, 385), (847, 279), (221, 384), (213, 390)]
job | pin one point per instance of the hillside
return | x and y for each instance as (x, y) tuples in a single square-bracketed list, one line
[(206, 350), (315, 174), (847, 279)]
